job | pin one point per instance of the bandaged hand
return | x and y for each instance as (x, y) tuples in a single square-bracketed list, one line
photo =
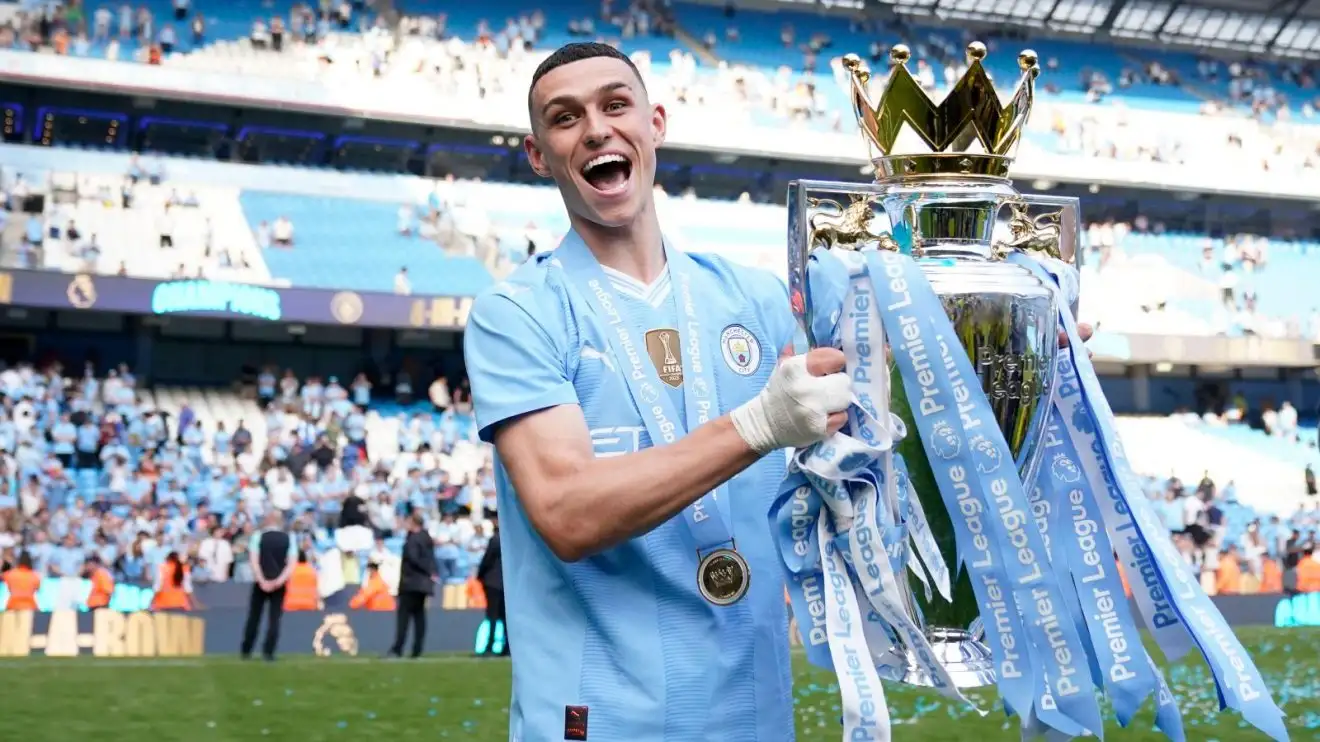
[(804, 402)]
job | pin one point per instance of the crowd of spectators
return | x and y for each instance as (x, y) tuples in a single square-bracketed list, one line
[(1233, 549), (92, 476), (90, 468), (1234, 270), (348, 40)]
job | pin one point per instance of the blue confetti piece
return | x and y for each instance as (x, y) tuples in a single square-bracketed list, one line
[(288, 691), (430, 712), (371, 714), (434, 699), (343, 725), (477, 702)]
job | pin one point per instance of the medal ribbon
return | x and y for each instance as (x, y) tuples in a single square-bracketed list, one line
[(706, 519), (1168, 595)]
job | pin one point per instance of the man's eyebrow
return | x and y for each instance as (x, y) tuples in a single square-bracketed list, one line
[(564, 100)]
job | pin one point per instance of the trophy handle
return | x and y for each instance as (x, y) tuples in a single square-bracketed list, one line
[(1050, 225)]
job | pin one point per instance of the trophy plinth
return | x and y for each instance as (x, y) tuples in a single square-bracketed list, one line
[(942, 207)]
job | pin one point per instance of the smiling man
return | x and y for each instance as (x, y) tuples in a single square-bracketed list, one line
[(632, 393)]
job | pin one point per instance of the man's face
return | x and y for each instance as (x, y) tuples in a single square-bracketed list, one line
[(595, 132)]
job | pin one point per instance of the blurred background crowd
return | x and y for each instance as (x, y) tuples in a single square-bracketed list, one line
[(1194, 151)]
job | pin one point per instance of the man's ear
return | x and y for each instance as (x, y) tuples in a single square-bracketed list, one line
[(659, 123), (535, 157)]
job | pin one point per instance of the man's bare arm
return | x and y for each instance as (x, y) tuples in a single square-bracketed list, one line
[(582, 505)]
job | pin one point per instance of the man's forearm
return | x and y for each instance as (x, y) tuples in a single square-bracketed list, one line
[(609, 500), (284, 576)]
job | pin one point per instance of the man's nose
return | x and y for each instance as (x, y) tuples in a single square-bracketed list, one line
[(598, 131)]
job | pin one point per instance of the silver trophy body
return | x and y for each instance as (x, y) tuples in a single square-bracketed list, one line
[(1005, 317), (941, 196)]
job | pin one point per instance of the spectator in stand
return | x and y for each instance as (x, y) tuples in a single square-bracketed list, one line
[(282, 232)]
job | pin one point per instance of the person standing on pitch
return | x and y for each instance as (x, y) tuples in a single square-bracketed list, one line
[(272, 553), (418, 574), (633, 396), (490, 573)]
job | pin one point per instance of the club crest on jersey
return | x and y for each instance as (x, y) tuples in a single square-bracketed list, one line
[(663, 347), (742, 351)]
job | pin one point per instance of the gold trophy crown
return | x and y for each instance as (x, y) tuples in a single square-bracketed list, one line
[(971, 114)]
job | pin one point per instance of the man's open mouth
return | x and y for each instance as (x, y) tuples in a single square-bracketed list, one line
[(607, 173)]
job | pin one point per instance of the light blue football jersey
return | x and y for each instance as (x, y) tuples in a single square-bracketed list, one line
[(626, 633)]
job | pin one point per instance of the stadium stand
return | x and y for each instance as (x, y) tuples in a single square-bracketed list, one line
[(153, 469), (350, 233)]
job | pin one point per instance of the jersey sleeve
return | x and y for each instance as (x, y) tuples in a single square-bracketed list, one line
[(514, 363)]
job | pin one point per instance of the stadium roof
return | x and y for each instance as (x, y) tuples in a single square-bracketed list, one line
[(1289, 28)]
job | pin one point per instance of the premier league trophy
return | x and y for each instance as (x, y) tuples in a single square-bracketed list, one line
[(965, 527)]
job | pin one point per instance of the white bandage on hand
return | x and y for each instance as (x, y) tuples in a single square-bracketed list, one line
[(794, 408)]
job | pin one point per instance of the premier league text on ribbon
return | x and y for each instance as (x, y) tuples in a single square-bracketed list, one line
[(1012, 449)]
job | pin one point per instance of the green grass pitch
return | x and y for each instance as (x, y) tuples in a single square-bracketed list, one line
[(308, 699)]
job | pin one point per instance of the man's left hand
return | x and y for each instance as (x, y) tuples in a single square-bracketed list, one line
[(1083, 329)]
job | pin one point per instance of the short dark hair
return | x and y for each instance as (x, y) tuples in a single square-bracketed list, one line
[(576, 52)]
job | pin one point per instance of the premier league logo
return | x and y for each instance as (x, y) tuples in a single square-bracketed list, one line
[(1065, 469), (648, 393), (854, 462), (1082, 421), (944, 441), (742, 351), (986, 455)]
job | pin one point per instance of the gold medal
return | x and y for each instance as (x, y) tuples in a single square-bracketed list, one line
[(723, 577)]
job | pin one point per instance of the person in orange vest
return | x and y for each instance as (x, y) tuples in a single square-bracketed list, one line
[(1228, 580), (103, 583), (302, 593), (374, 595), (1308, 573), (23, 583), (173, 585), (1271, 580)]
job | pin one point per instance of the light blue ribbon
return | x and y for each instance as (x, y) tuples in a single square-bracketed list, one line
[(1161, 580), (963, 440), (1081, 547)]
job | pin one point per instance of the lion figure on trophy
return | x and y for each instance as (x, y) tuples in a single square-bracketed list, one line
[(1035, 234), (839, 226)]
